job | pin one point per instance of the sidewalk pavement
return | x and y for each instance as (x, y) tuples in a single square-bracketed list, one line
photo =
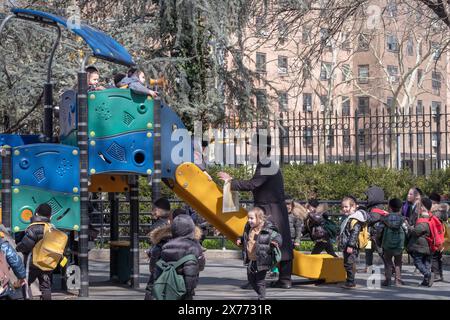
[(222, 279)]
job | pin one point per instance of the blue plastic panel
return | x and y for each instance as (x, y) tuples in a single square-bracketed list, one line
[(15, 140), (67, 114), (49, 166), (130, 153), (169, 122), (102, 45)]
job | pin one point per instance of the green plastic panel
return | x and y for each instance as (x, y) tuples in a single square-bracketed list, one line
[(71, 139), (66, 207), (117, 111)]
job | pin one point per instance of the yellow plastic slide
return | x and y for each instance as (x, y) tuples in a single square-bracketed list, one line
[(194, 187)]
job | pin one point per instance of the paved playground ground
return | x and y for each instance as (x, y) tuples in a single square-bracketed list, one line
[(222, 279)]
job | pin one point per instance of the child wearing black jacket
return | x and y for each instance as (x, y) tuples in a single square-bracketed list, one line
[(258, 240)]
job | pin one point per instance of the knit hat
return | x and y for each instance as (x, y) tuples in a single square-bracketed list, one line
[(44, 210), (395, 204), (177, 212), (427, 203), (313, 203), (162, 203), (435, 197)]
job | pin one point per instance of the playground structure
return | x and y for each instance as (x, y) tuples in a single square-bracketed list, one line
[(107, 139)]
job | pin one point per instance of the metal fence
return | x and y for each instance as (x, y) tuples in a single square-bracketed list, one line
[(417, 139)]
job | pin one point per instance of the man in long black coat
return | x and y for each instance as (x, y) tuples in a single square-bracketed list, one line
[(268, 192)]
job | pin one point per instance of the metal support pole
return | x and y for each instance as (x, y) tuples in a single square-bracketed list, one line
[(82, 136), (6, 186), (356, 137), (438, 136), (156, 179), (48, 94), (114, 233), (134, 231)]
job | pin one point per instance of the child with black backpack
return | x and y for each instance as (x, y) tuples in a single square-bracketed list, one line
[(260, 242), (418, 245), (392, 236), (321, 230), (33, 234), (349, 239)]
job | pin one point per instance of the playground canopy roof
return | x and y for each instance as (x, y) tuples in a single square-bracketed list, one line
[(103, 46)]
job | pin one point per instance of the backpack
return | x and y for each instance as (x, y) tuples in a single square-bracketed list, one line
[(393, 239), (364, 236), (49, 251), (4, 272), (381, 212), (170, 285), (331, 228), (437, 230)]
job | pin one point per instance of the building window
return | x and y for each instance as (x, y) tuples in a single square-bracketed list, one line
[(261, 28), (346, 138), (325, 38), (434, 139), (389, 104), (420, 139), (261, 99), (323, 102), (330, 138), (392, 43), (325, 71), (419, 76), (393, 73), (345, 106), (283, 101), (260, 62), (419, 107), (363, 105), (346, 73), (345, 45), (363, 42), (434, 46), (282, 64), (307, 69), (410, 47), (436, 82), (392, 8), (306, 35), (307, 102), (435, 105), (308, 136), (363, 137), (282, 31), (363, 73)]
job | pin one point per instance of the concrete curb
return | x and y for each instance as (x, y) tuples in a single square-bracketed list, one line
[(210, 254)]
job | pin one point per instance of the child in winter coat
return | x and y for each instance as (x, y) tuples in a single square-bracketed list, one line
[(13, 261), (297, 214), (392, 236), (258, 240), (135, 80), (418, 245), (348, 239), (439, 210), (33, 234), (184, 242), (315, 226)]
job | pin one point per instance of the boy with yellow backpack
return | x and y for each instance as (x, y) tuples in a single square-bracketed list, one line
[(43, 248), (353, 236)]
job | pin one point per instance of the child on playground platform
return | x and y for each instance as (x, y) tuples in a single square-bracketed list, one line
[(135, 80), (93, 77), (258, 240)]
